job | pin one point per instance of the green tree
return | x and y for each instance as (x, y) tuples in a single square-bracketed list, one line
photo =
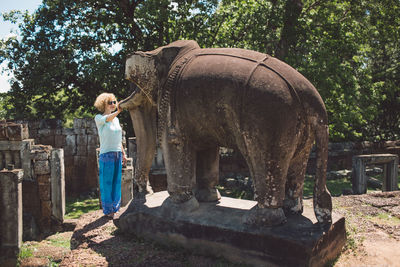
[(70, 51), (347, 49)]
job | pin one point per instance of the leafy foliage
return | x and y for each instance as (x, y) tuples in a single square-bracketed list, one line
[(70, 51)]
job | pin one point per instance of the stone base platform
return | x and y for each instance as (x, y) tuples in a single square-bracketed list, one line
[(217, 229)]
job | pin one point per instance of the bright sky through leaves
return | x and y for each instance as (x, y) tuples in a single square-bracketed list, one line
[(6, 27)]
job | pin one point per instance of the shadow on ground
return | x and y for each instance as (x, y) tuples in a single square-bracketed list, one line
[(97, 242)]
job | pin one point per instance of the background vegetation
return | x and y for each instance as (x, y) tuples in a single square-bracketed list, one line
[(70, 51)]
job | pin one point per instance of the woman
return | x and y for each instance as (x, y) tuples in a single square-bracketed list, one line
[(111, 152)]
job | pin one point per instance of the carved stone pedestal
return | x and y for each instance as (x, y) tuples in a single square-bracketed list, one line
[(218, 229)]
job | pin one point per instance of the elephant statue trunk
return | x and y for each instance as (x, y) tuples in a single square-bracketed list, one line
[(143, 115), (195, 100)]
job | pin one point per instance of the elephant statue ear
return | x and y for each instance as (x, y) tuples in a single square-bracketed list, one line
[(167, 54)]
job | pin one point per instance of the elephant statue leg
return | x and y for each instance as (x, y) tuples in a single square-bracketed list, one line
[(180, 160), (207, 175), (268, 170), (293, 202)]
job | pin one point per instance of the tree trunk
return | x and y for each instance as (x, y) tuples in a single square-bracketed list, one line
[(288, 39)]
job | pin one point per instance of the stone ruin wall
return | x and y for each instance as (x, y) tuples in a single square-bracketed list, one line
[(42, 193), (32, 177), (340, 156), (79, 143)]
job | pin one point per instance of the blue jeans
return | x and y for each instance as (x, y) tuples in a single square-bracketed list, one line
[(110, 168)]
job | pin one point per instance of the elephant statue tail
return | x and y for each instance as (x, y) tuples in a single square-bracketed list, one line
[(322, 197)]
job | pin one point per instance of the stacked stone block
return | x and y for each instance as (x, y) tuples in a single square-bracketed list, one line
[(79, 144), (40, 156), (10, 215), (43, 199), (14, 146), (84, 174), (127, 183)]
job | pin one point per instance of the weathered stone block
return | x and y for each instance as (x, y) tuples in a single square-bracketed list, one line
[(25, 152), (34, 125), (79, 130), (50, 124), (17, 159), (40, 154), (93, 140), (33, 134), (41, 147), (45, 132), (30, 229), (11, 210), (31, 201), (47, 140), (132, 148), (7, 158), (126, 185), (91, 151), (70, 146), (17, 132), (79, 123), (82, 139), (68, 131), (91, 174), (3, 131), (91, 130), (41, 167), (90, 123), (60, 141), (2, 165), (81, 150), (69, 179), (46, 208), (43, 179), (80, 164), (58, 131), (58, 184), (44, 191)]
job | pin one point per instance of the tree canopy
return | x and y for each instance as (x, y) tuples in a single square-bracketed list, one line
[(70, 51)]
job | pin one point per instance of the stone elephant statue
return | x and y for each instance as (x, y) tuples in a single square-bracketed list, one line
[(195, 100)]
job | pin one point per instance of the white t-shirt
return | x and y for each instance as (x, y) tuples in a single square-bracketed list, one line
[(110, 134)]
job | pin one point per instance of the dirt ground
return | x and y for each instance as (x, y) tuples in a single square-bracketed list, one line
[(373, 229), (372, 223)]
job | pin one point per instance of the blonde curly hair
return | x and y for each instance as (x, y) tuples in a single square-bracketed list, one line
[(102, 99)]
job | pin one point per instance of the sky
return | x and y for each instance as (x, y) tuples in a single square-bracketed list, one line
[(6, 27)]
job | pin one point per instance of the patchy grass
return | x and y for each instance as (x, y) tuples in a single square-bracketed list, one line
[(58, 240), (26, 251), (48, 248), (334, 186), (384, 218), (76, 207)]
